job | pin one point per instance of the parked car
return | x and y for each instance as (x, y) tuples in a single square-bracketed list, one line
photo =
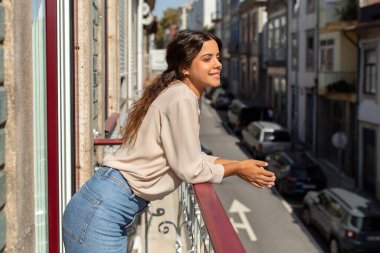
[(210, 91), (263, 138), (221, 99), (296, 173), (350, 221), (240, 114)]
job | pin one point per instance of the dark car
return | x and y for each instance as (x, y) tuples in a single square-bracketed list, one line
[(349, 220), (240, 114), (221, 99), (296, 173), (210, 91)]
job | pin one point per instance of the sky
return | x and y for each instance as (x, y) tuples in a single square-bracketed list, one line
[(161, 5)]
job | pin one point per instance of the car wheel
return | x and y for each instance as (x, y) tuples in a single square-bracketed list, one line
[(334, 246), (306, 216)]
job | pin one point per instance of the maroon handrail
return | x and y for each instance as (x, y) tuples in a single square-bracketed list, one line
[(110, 122), (106, 141), (223, 236)]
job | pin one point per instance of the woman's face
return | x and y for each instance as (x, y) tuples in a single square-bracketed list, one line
[(205, 69)]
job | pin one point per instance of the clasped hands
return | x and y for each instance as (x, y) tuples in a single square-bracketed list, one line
[(253, 172)]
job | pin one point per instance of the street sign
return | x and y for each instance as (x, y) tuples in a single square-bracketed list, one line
[(339, 140)]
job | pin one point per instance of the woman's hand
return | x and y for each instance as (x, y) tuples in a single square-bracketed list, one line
[(254, 173)]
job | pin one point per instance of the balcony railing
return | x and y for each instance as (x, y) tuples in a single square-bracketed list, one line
[(208, 225), (338, 85)]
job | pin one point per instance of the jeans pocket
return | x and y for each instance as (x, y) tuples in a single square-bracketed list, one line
[(79, 212)]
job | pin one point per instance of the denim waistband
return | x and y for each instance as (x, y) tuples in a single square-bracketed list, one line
[(116, 176)]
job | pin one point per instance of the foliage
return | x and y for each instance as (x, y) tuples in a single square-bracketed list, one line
[(348, 10), (341, 86), (209, 29), (170, 17)]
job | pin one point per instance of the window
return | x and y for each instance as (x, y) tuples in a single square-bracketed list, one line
[(310, 6), (327, 55), (370, 72), (310, 50), (276, 32), (294, 49), (283, 31), (270, 35), (296, 6)]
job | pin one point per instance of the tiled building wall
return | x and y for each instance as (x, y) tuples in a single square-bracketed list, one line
[(3, 119)]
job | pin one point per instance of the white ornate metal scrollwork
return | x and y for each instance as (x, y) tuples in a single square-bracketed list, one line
[(190, 215), (199, 238)]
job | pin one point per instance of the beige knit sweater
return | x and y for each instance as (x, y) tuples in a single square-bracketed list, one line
[(167, 149)]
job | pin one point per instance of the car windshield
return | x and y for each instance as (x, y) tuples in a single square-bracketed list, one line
[(367, 223), (277, 136)]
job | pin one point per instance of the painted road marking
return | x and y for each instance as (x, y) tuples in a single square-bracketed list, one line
[(240, 209)]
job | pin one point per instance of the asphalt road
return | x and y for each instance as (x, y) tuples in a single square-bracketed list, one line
[(265, 222)]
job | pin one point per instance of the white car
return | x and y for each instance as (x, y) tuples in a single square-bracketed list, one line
[(263, 137)]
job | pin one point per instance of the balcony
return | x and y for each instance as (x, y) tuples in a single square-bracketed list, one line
[(338, 86), (206, 221), (276, 56)]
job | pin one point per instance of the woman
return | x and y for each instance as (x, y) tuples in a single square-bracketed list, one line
[(161, 149)]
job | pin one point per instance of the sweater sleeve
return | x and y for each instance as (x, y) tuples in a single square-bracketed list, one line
[(180, 141)]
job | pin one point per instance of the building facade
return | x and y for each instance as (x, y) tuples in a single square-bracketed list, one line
[(71, 66), (368, 30)]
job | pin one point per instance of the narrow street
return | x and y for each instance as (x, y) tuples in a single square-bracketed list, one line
[(265, 222)]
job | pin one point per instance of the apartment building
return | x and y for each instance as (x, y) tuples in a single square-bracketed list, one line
[(275, 58), (199, 15), (252, 19), (368, 116)]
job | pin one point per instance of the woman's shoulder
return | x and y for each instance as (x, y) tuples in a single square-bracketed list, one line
[(175, 93)]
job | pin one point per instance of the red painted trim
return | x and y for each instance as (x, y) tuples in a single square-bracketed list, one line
[(222, 235), (103, 142), (52, 124), (110, 123)]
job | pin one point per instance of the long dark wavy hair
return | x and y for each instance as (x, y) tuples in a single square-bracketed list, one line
[(180, 53)]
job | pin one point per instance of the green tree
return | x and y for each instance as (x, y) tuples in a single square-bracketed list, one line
[(170, 17)]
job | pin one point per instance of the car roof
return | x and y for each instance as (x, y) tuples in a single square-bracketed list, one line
[(268, 125), (357, 203)]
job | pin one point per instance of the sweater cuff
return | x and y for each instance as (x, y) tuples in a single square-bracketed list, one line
[(209, 158), (218, 173)]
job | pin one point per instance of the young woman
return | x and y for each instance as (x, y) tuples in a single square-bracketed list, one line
[(161, 150)]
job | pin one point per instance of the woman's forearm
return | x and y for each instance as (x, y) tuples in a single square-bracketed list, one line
[(231, 167)]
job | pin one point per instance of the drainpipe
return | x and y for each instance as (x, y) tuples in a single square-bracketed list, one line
[(316, 84)]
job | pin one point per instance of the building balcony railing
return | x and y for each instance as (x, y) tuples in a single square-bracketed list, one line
[(338, 85), (276, 55), (208, 226)]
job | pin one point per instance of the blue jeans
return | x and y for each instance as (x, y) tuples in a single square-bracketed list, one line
[(98, 215)]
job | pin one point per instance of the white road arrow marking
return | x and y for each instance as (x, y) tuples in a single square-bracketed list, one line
[(240, 209)]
